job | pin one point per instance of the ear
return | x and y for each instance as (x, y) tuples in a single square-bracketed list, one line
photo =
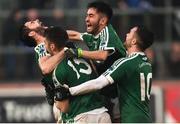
[(52, 47), (32, 33), (134, 41), (103, 21)]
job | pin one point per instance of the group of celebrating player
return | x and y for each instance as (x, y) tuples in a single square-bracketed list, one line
[(70, 74)]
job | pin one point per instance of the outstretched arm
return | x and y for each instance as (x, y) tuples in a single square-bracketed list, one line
[(90, 86), (98, 55), (74, 35)]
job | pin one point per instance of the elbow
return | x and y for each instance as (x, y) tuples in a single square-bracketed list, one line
[(45, 70), (103, 57)]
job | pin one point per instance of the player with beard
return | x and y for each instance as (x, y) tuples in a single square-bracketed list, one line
[(32, 35), (133, 75), (104, 45), (88, 108)]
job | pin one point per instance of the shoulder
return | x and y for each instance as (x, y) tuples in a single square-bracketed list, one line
[(126, 61), (61, 66)]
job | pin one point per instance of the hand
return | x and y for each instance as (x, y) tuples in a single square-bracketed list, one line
[(49, 91), (49, 96), (61, 93), (73, 53)]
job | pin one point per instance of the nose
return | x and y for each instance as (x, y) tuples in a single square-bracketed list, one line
[(87, 19)]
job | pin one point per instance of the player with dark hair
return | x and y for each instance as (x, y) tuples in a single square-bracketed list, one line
[(133, 75), (32, 35), (104, 45), (84, 108)]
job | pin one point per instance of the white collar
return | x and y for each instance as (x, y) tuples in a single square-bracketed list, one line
[(140, 53)]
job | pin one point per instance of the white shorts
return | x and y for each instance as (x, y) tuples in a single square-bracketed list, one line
[(93, 118)]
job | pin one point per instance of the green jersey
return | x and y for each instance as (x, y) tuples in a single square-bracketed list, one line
[(74, 72), (133, 74), (108, 40), (40, 51), (46, 78)]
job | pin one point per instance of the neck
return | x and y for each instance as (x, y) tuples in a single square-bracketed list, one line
[(100, 29), (56, 51), (39, 39), (133, 50)]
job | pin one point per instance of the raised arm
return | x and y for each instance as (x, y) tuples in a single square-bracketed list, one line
[(74, 35), (47, 63)]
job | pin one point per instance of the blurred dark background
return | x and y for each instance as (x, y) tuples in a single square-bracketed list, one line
[(17, 62)]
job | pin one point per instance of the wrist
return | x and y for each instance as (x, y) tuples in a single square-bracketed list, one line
[(79, 52)]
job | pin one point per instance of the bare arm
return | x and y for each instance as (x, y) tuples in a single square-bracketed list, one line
[(74, 35), (90, 86), (95, 55), (48, 63)]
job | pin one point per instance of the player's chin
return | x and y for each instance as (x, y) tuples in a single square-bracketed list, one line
[(89, 29)]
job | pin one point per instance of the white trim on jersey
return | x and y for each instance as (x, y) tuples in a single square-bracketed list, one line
[(110, 48), (104, 36), (108, 73), (81, 35)]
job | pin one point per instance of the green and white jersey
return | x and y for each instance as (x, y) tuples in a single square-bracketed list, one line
[(74, 72), (133, 75), (108, 40), (40, 51)]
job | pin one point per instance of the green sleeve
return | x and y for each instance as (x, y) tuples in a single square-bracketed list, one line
[(116, 72), (87, 38)]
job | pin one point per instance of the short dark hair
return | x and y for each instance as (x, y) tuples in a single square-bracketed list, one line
[(25, 38), (56, 35), (145, 36), (101, 7)]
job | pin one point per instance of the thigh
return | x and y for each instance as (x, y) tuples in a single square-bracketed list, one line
[(57, 114), (93, 118), (104, 118)]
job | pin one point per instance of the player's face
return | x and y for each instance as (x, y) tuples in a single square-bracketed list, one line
[(33, 24), (92, 21), (130, 37)]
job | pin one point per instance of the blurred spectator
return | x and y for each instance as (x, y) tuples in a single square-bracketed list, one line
[(10, 36), (10, 28), (32, 14), (57, 19), (38, 4), (71, 4), (173, 60), (138, 4)]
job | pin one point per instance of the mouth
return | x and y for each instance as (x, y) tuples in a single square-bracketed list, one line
[(88, 26)]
